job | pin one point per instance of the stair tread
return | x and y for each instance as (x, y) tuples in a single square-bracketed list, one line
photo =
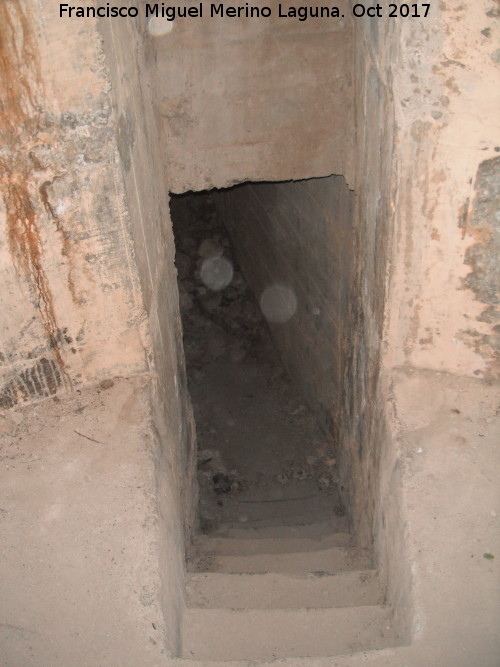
[(373, 657), (313, 531), (330, 560), (276, 590), (234, 546), (256, 634)]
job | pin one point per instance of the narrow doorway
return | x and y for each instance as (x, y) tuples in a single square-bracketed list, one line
[(266, 441)]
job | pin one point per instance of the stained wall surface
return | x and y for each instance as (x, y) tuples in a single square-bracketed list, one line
[(146, 184), (426, 290), (84, 299), (71, 302), (420, 156), (446, 106), (80, 303)]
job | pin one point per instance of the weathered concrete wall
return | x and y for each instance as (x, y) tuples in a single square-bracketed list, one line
[(73, 171), (442, 292), (131, 58), (256, 99), (298, 237), (86, 250), (425, 223), (362, 420), (446, 109), (71, 303)]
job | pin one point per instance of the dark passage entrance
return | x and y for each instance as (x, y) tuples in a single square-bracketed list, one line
[(266, 453)]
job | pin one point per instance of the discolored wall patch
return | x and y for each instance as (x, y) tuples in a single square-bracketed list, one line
[(20, 77), (62, 202), (483, 225), (40, 380)]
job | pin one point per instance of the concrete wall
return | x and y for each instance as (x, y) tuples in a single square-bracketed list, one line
[(82, 180), (425, 191), (362, 426), (298, 236), (146, 187), (446, 110), (86, 250), (71, 302), (256, 99)]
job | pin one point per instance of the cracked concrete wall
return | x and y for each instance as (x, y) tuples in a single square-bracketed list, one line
[(71, 301)]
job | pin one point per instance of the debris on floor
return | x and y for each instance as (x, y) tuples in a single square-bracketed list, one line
[(259, 446)]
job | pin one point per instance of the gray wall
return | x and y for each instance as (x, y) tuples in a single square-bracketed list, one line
[(299, 234)]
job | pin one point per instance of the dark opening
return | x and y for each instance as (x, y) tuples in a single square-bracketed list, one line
[(261, 276)]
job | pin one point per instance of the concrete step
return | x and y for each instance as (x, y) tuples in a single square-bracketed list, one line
[(289, 521), (264, 634), (281, 591), (237, 546), (390, 657), (311, 531), (330, 561)]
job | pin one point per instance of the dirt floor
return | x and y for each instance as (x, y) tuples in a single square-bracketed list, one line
[(261, 456), (79, 576)]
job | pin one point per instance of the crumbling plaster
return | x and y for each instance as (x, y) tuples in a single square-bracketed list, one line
[(445, 77)]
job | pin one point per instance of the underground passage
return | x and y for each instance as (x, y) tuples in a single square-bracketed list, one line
[(265, 438), (264, 276), (249, 335)]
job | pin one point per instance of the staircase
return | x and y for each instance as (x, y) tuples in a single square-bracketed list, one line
[(269, 592)]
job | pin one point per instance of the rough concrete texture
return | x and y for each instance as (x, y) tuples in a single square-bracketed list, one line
[(292, 632), (444, 432), (280, 591), (443, 74), (256, 99), (146, 192), (80, 533), (483, 224), (71, 300), (362, 419), (298, 236)]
